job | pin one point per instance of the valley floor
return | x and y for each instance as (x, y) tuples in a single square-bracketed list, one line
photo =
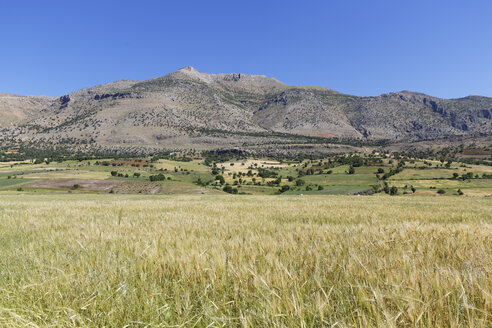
[(113, 260), (330, 176)]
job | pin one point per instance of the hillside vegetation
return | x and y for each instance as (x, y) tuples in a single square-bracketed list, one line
[(236, 173), (188, 109)]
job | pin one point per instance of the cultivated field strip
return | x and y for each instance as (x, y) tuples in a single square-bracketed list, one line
[(249, 261)]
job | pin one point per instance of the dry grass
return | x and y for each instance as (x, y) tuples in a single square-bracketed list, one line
[(210, 261), (69, 174), (261, 163)]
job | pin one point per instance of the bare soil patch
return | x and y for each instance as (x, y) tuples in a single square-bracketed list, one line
[(82, 184)]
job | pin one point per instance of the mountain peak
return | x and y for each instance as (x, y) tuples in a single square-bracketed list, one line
[(188, 69)]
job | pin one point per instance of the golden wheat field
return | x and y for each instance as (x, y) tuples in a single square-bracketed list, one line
[(245, 261)]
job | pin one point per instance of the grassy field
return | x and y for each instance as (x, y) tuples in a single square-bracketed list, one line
[(329, 176), (428, 180), (105, 260)]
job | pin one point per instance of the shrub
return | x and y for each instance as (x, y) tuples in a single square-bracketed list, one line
[(284, 188), (230, 190), (158, 177), (386, 188), (220, 178), (263, 173)]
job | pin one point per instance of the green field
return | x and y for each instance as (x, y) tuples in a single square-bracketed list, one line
[(428, 180), (329, 176), (244, 261)]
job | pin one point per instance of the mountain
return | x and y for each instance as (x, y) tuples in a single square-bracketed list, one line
[(14, 108), (189, 109)]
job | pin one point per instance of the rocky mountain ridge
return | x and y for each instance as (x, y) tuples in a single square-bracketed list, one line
[(189, 109)]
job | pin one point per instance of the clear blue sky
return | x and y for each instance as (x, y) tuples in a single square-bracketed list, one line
[(363, 47)]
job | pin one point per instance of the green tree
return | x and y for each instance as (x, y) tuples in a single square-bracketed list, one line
[(230, 190), (158, 177), (220, 178), (284, 188)]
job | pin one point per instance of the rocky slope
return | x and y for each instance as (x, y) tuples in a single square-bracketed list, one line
[(188, 109), (15, 109)]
